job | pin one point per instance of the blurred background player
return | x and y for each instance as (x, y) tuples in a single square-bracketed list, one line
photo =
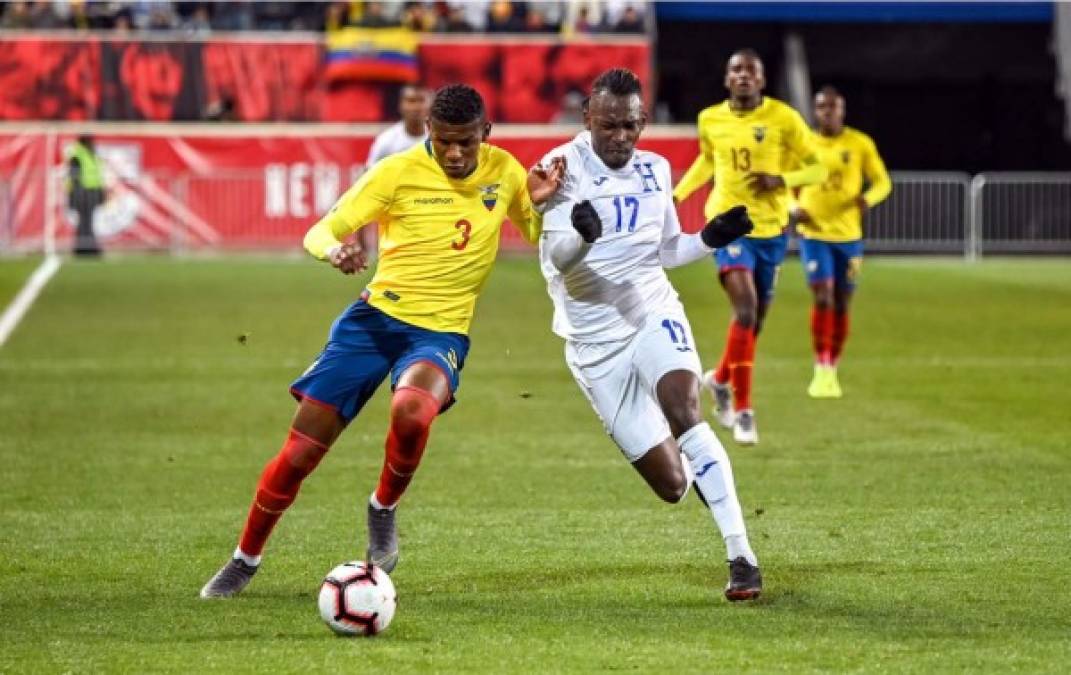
[(608, 235), (746, 144), (440, 206), (85, 192), (829, 219), (413, 102)]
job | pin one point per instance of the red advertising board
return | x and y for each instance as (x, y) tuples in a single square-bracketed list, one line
[(215, 190)]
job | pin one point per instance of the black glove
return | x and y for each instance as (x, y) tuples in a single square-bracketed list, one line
[(725, 228), (586, 221)]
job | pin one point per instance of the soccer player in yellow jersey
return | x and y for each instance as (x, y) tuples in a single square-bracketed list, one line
[(755, 148), (439, 208), (829, 220)]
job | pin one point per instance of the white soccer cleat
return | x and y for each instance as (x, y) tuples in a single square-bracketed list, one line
[(723, 400), (744, 430)]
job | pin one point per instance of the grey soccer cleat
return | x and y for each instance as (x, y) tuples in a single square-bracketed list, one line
[(229, 580), (745, 580), (723, 400), (382, 538), (744, 431)]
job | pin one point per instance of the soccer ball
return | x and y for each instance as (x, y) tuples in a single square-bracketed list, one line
[(357, 598)]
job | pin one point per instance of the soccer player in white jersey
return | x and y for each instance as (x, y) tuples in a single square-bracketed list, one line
[(608, 234), (413, 104)]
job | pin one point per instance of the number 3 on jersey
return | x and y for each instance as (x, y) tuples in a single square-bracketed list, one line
[(622, 204), (465, 228)]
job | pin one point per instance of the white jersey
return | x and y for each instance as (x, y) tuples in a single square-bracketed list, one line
[(608, 296), (391, 141)]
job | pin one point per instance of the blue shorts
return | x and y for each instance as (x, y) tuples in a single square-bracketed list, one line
[(761, 257), (840, 261), (364, 345)]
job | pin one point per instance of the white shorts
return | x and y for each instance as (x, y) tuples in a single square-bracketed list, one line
[(619, 378)]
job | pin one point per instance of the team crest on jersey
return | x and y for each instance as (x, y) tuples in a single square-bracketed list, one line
[(759, 132), (489, 195), (845, 156)]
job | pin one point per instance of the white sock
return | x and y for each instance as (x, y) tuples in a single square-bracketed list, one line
[(377, 506), (252, 560), (714, 480)]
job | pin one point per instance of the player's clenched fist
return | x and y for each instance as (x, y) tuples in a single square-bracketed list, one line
[(727, 227), (348, 258), (586, 221)]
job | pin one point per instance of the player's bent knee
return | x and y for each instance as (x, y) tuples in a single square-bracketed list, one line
[(746, 316), (412, 411), (673, 490)]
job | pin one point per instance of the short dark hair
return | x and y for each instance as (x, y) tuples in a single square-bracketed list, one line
[(746, 51), (829, 90), (457, 104), (617, 81)]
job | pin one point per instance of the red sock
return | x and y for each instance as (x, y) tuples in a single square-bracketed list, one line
[(839, 336), (721, 374), (740, 353), (278, 487), (822, 333), (412, 411)]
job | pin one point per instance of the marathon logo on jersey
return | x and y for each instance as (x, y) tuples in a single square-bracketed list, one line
[(431, 201), (845, 156), (450, 359), (489, 195), (759, 132), (599, 180)]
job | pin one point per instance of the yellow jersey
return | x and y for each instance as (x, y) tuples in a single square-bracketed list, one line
[(438, 236), (850, 157), (772, 138)]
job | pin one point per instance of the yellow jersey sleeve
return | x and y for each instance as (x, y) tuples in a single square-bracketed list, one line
[(876, 175), (798, 139), (522, 212), (365, 201), (702, 169)]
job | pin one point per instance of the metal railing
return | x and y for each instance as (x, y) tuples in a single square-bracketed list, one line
[(942, 213)]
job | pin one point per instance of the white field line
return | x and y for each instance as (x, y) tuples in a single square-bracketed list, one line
[(27, 294)]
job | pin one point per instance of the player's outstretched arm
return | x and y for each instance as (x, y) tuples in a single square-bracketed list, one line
[(680, 249)]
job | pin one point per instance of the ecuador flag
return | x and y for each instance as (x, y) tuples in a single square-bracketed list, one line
[(372, 55)]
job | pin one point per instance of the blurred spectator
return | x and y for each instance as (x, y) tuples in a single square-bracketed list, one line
[(378, 15), (456, 21), (231, 16), (419, 17), (503, 17), (630, 22), (199, 22), (549, 16), (122, 22), (16, 15), (272, 15), (43, 15), (572, 109), (223, 110), (473, 14)]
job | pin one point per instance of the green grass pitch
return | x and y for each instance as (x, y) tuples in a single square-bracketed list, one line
[(920, 524)]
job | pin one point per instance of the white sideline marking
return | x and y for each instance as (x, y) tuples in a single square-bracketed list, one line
[(27, 294)]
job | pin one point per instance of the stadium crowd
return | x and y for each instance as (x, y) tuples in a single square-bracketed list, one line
[(444, 16)]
